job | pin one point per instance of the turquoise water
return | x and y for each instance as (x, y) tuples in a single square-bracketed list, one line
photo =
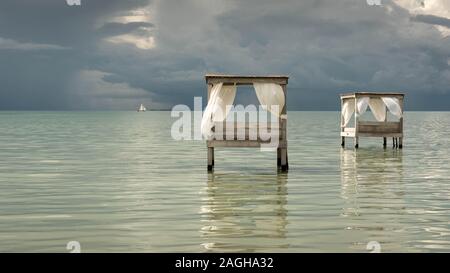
[(117, 182)]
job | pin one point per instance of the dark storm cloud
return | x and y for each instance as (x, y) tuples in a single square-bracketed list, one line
[(39, 79), (431, 19), (326, 46), (53, 21)]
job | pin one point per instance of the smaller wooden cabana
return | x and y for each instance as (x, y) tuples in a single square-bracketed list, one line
[(270, 90), (380, 104)]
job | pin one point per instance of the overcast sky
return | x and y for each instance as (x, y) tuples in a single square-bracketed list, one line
[(115, 54)]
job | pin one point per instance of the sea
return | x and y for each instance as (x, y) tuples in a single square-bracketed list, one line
[(119, 182)]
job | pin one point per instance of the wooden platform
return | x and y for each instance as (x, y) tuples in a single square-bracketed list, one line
[(385, 129), (243, 134), (239, 134)]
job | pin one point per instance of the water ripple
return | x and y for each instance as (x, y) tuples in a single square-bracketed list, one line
[(116, 181)]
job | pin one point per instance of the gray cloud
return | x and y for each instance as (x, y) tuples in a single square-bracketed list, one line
[(41, 79), (114, 28), (326, 46), (431, 19), (15, 45)]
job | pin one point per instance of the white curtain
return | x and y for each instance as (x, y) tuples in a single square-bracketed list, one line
[(378, 109), (270, 94), (393, 105), (220, 101), (377, 106), (348, 108), (362, 105)]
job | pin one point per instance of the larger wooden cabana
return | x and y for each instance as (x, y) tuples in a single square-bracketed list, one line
[(223, 138), (380, 104)]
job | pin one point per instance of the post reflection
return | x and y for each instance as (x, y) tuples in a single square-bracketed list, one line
[(244, 213), (371, 173), (373, 192)]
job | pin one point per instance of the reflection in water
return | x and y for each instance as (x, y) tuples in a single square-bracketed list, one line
[(239, 209), (117, 182), (372, 188), (371, 170)]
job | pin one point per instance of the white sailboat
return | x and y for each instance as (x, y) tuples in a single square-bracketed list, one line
[(142, 108)]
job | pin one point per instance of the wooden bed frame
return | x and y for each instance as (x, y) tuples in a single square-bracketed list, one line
[(241, 136), (384, 129)]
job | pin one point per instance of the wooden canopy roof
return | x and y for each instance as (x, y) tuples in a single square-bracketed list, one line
[(371, 94), (245, 79)]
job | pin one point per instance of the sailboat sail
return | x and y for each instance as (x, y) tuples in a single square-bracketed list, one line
[(142, 108)]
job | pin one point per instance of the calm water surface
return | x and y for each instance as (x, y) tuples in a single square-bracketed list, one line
[(117, 182)]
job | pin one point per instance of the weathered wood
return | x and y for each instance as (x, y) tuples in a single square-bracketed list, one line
[(385, 121), (377, 128), (236, 134), (278, 157), (372, 94), (243, 143), (230, 76), (348, 134), (284, 159), (284, 110), (373, 128), (401, 123), (246, 131), (356, 138), (283, 132), (210, 158), (380, 135), (342, 127), (245, 80)]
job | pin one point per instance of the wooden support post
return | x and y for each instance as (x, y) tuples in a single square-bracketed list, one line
[(356, 140), (401, 123), (278, 157), (210, 158), (385, 122), (283, 125), (210, 149), (342, 125), (393, 142), (284, 162), (232, 139)]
